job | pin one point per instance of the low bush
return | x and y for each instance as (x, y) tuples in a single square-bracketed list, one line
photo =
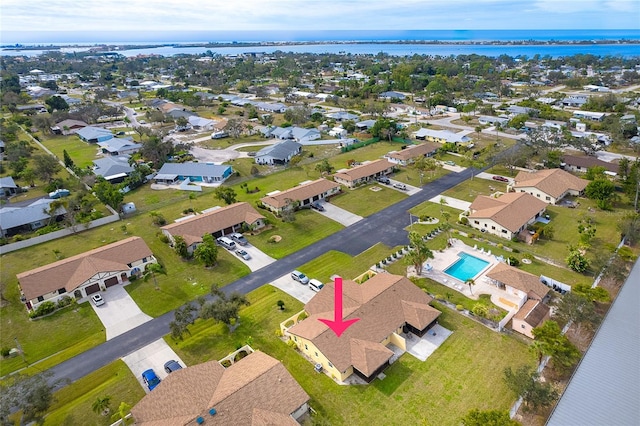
[(43, 309), (64, 301), (513, 261), (459, 307), (4, 352)]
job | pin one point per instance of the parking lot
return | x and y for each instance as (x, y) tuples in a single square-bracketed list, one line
[(151, 356), (119, 313)]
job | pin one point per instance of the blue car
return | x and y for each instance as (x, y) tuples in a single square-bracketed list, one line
[(150, 379)]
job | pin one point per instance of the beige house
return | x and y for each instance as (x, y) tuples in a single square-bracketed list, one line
[(217, 222), (388, 306), (87, 273), (363, 173), (532, 314), (412, 153), (257, 390), (505, 216), (549, 185), (304, 194), (519, 283)]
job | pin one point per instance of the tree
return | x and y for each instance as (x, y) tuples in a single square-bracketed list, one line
[(225, 193), (101, 405), (56, 103), (123, 411), (180, 246), (183, 318), (601, 190), (577, 261), (419, 252), (324, 167), (235, 127), (68, 162), (207, 252), (108, 193), (576, 308), (31, 395), (593, 294), (287, 213), (156, 151), (556, 345), (223, 308), (280, 304), (524, 382), (476, 417), (470, 282), (45, 167)]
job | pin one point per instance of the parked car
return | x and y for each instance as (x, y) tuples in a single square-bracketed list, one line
[(171, 366), (243, 254), (401, 186), (226, 243), (300, 277), (59, 193), (317, 206), (97, 299), (383, 179), (449, 163), (315, 285), (150, 379), (239, 238), (500, 178)]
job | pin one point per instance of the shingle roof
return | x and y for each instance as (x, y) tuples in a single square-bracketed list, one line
[(586, 162), (11, 217), (257, 390), (364, 170), (383, 303), (281, 151), (511, 210), (300, 193), (193, 229), (447, 135), (89, 133), (72, 272), (112, 166), (193, 169), (532, 312), (518, 279), (7, 182), (413, 151), (119, 144), (69, 123), (554, 182)]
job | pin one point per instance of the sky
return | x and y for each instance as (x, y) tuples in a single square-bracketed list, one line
[(233, 15)]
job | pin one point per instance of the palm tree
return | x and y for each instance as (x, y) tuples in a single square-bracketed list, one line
[(101, 405), (470, 282)]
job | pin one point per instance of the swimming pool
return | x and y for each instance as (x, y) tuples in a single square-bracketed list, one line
[(466, 267)]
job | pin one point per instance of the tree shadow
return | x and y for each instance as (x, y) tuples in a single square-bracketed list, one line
[(396, 374)]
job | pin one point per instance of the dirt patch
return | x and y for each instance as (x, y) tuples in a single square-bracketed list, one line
[(275, 239)]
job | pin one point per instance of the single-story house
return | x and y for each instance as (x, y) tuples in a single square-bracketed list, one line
[(391, 95), (271, 107), (7, 187), (514, 110), (580, 164), (387, 306), (341, 116), (365, 125), (119, 146), (494, 121), (68, 127), (575, 101), (338, 132), (171, 173), (256, 390), (280, 153), (442, 136), (589, 115), (201, 123), (114, 168), (93, 134), (16, 220), (411, 153), (217, 222), (507, 215), (305, 194), (300, 134), (550, 185), (86, 273), (532, 314), (363, 173), (177, 113), (35, 107), (517, 282)]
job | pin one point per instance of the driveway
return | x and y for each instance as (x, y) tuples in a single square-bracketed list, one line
[(120, 313), (339, 215), (452, 202), (410, 188), (258, 260), (153, 356), (293, 288)]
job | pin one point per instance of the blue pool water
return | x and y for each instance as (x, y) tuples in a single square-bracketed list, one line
[(466, 267)]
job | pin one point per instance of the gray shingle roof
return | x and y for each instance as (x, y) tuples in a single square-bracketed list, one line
[(193, 169)]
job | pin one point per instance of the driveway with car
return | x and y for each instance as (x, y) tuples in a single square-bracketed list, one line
[(258, 259), (408, 189), (293, 288), (153, 356), (341, 216), (119, 313)]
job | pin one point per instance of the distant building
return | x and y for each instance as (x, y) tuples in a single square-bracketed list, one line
[(92, 134), (278, 154), (549, 185), (363, 173), (304, 194), (410, 154), (171, 173), (442, 136)]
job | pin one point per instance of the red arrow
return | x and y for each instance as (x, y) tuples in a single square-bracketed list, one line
[(338, 325)]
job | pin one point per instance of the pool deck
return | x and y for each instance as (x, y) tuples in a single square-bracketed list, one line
[(442, 260)]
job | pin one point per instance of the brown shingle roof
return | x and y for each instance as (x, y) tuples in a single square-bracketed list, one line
[(414, 151), (511, 210), (533, 312), (518, 279), (586, 162), (193, 229), (300, 193), (383, 303), (554, 182), (72, 272), (255, 390), (364, 170)]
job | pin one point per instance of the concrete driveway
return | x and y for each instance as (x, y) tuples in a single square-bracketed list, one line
[(341, 216), (120, 313), (258, 260), (409, 191), (152, 356), (452, 202), (293, 288)]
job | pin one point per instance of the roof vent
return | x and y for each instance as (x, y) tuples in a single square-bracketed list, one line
[(213, 411)]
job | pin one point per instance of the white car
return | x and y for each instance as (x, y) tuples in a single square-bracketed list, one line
[(243, 254), (97, 299)]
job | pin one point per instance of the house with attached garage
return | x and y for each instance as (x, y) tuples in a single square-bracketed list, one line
[(303, 194), (92, 134), (549, 185), (218, 221), (119, 146), (68, 127), (172, 173), (363, 173), (390, 308), (86, 273), (17, 220), (412, 153), (114, 168), (279, 153), (442, 136)]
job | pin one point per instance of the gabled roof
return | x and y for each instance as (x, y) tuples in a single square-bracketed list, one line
[(280, 151), (301, 133), (193, 169), (89, 133), (518, 279), (586, 162), (511, 210), (257, 390), (413, 151), (383, 303), (194, 120), (193, 229), (447, 135), (341, 115), (69, 123), (300, 193), (7, 182), (119, 144), (554, 182), (11, 217), (533, 312), (112, 166), (364, 170), (72, 272)]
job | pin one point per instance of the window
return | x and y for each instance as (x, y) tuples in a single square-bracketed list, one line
[(306, 347), (330, 365), (547, 198), (62, 291), (476, 222), (504, 231), (522, 326), (493, 227), (144, 260), (316, 354), (295, 339), (40, 298), (538, 195)]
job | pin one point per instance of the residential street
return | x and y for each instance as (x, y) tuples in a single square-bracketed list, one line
[(386, 226)]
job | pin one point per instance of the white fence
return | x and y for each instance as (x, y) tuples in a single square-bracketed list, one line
[(550, 282)]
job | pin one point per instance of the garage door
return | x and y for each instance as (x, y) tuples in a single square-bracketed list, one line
[(93, 288), (111, 281)]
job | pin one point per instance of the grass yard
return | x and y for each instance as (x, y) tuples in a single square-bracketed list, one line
[(470, 189), (364, 201), (80, 152), (73, 403)]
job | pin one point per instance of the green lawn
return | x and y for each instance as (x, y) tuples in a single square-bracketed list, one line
[(364, 201), (470, 189), (336, 262), (80, 152)]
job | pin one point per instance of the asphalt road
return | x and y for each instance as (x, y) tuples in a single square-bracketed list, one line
[(386, 226)]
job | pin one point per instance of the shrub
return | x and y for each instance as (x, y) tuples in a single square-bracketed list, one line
[(464, 220), (513, 261), (459, 307), (43, 309), (515, 250), (163, 238), (500, 246), (226, 363), (4, 352), (480, 310), (64, 301)]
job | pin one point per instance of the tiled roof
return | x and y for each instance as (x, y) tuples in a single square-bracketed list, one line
[(383, 303), (72, 272), (364, 170), (299, 193), (193, 229), (532, 312), (518, 279), (511, 210), (413, 151), (554, 182), (257, 390)]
